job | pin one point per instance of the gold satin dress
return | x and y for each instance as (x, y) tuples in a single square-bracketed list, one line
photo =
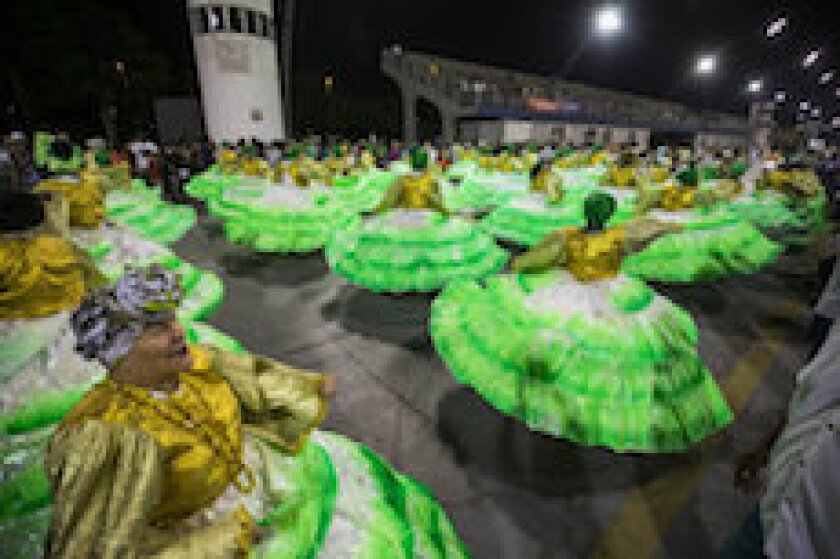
[(131, 469), (40, 275)]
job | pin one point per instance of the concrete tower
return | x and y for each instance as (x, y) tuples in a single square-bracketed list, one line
[(236, 54)]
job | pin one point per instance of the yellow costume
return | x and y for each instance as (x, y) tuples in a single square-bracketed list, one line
[(549, 184), (85, 199), (228, 162), (591, 256), (254, 167), (40, 275), (130, 471), (413, 192), (659, 174), (621, 177), (795, 184)]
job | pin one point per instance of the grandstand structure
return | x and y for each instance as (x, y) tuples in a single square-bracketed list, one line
[(483, 103)]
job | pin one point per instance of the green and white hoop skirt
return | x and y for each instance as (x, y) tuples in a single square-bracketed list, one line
[(280, 218), (527, 220), (714, 245), (142, 211), (608, 363), (413, 251)]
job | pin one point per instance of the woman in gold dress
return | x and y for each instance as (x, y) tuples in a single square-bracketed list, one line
[(192, 453), (575, 349)]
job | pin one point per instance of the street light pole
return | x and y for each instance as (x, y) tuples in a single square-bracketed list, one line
[(286, 49)]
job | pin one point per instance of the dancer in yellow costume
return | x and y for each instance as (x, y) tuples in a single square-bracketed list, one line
[(575, 349), (411, 241), (187, 452), (42, 279)]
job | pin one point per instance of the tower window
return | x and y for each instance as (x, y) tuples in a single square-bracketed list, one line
[(252, 22), (263, 26), (236, 19), (199, 20), (217, 18)]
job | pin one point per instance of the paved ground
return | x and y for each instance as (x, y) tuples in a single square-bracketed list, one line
[(513, 494)]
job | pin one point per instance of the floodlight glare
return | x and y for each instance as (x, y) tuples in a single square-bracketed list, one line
[(804, 106), (781, 96), (776, 27), (811, 59), (754, 86), (706, 64), (826, 77), (608, 20)]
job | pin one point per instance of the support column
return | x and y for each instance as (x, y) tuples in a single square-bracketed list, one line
[(449, 125), (409, 115)]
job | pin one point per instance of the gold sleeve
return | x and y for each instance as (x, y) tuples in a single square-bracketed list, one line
[(641, 232), (279, 402), (392, 196), (646, 199), (548, 253), (436, 199), (106, 481)]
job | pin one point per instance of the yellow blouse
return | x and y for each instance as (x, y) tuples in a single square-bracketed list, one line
[(130, 471), (39, 276), (417, 192), (659, 174), (85, 199), (594, 256), (254, 167), (674, 198), (621, 177), (198, 430)]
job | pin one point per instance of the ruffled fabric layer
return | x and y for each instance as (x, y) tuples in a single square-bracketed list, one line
[(413, 250), (527, 220), (141, 210), (336, 499), (607, 364), (283, 219), (347, 502), (707, 250), (486, 191), (784, 220)]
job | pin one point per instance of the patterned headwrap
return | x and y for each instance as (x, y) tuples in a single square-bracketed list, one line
[(110, 320)]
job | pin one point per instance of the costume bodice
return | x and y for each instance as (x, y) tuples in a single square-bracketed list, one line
[(40, 275), (417, 191), (594, 256), (674, 198), (198, 429), (85, 199), (622, 177)]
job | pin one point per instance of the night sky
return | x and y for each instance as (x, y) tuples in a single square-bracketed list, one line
[(653, 55)]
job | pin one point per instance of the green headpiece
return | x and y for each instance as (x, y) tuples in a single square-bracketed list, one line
[(102, 157), (250, 150), (419, 159), (337, 151), (599, 207), (689, 176)]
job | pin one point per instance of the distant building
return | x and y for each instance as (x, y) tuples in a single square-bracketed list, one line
[(236, 53), (483, 103)]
